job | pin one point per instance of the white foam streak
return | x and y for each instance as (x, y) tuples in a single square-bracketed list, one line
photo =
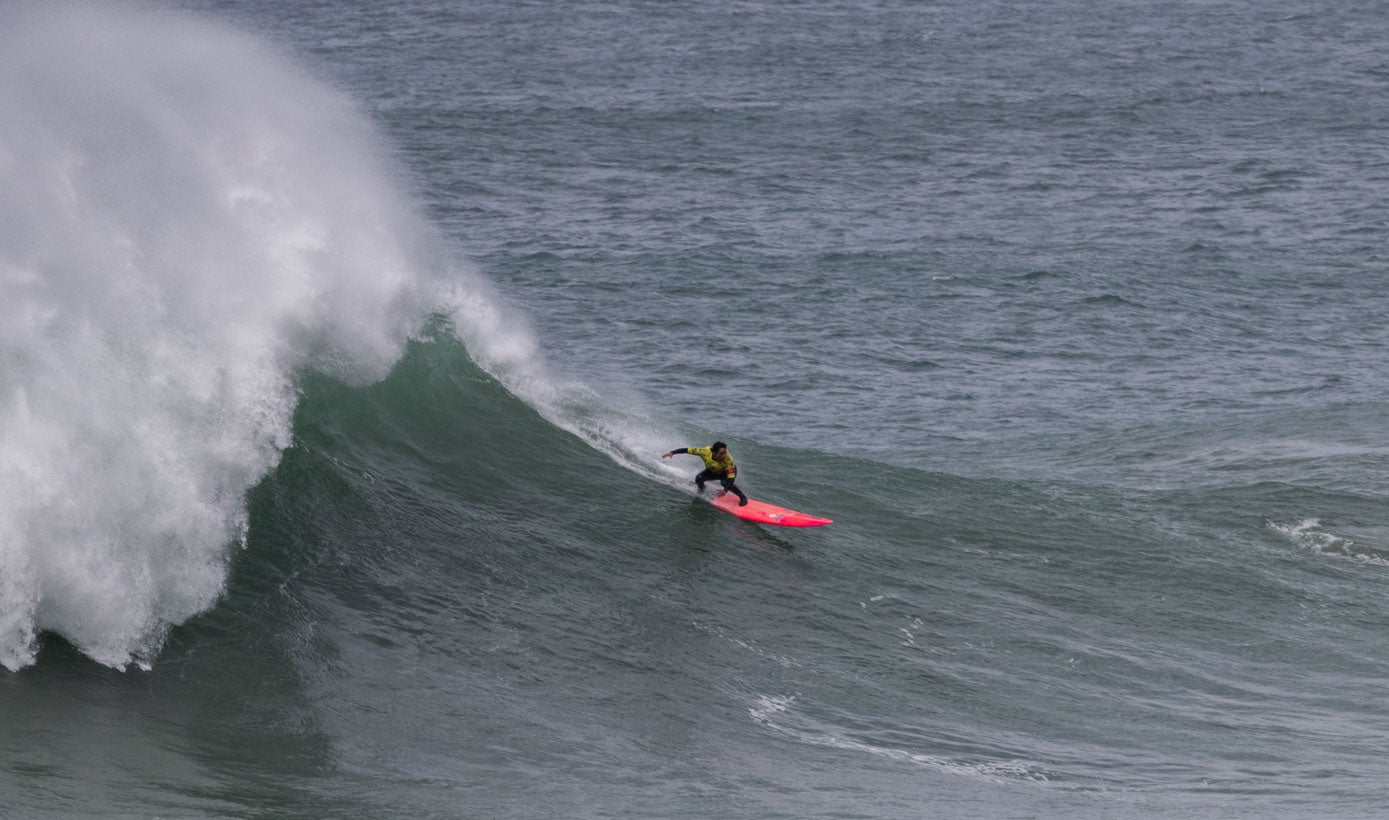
[(774, 713), (503, 344)]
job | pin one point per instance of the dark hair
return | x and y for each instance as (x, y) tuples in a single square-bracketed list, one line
[(719, 445)]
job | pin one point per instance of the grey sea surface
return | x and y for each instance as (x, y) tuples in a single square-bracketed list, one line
[(1071, 315)]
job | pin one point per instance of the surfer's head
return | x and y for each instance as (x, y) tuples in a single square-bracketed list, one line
[(718, 449)]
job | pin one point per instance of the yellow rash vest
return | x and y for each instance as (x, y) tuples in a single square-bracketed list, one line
[(723, 466)]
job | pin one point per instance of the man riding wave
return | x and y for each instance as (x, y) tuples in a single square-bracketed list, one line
[(718, 465)]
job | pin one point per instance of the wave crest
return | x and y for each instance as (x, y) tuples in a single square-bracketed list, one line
[(190, 220)]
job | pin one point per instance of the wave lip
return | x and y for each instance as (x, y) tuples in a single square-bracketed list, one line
[(190, 221)]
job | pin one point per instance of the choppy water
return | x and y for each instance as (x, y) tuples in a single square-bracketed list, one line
[(339, 342)]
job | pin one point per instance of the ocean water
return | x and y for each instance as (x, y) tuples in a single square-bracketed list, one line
[(339, 343)]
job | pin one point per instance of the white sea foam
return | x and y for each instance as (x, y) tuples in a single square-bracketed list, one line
[(188, 220), (1310, 535)]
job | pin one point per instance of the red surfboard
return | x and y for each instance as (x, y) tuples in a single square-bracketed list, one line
[(760, 512)]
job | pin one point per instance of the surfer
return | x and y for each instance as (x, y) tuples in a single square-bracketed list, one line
[(718, 465)]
